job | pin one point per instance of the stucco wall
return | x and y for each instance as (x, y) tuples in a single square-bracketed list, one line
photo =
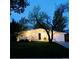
[(59, 37), (32, 35)]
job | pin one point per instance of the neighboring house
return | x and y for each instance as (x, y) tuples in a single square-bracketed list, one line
[(40, 35)]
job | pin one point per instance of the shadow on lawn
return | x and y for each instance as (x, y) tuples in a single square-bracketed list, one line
[(37, 50)]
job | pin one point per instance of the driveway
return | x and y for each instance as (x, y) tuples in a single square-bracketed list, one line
[(65, 44)]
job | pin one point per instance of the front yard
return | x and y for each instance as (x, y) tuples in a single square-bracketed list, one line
[(38, 50)]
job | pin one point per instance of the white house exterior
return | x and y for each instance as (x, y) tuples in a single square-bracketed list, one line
[(40, 35), (58, 36)]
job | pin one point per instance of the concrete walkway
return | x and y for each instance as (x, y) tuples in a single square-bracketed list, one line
[(65, 44)]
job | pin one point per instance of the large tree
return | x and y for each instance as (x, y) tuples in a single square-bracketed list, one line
[(40, 20), (60, 21), (18, 5)]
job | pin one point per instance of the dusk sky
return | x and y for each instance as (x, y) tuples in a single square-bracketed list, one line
[(47, 6)]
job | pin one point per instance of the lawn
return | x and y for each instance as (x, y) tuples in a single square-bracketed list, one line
[(38, 50)]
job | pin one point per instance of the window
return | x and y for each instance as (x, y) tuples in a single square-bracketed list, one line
[(44, 38), (39, 35)]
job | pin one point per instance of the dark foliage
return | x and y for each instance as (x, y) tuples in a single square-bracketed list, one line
[(59, 21), (23, 21), (18, 5), (15, 27), (26, 40)]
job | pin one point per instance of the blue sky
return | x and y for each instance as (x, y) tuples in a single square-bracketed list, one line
[(47, 6)]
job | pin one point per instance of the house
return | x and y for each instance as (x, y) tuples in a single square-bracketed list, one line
[(40, 35)]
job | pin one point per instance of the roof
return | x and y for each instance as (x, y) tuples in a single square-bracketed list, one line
[(40, 29)]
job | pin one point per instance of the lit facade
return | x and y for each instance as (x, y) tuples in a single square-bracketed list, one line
[(40, 35)]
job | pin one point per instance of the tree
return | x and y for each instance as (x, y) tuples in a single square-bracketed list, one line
[(60, 21), (23, 22), (18, 5), (15, 28), (40, 19)]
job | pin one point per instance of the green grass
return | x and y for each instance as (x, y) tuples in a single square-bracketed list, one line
[(38, 49)]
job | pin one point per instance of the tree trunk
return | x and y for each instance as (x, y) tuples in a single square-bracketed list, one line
[(52, 34), (49, 38), (50, 41)]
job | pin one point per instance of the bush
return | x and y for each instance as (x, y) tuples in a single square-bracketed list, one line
[(24, 40)]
